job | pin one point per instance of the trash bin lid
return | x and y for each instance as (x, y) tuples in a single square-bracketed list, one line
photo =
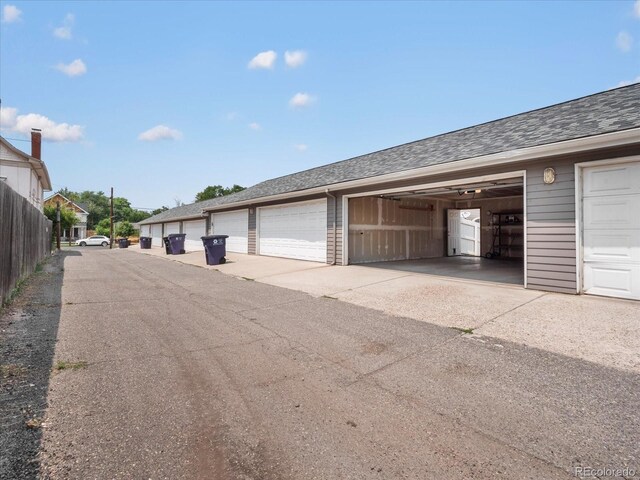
[(213, 237), (173, 235)]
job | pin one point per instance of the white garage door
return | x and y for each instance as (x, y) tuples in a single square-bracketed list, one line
[(156, 235), (171, 228), (236, 225), (194, 230), (296, 230), (611, 230), (145, 231)]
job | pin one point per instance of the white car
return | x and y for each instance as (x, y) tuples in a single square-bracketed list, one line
[(93, 240)]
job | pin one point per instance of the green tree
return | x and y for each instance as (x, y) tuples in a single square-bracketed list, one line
[(68, 218), (121, 209), (215, 191), (159, 210), (138, 215), (104, 227), (97, 205), (125, 229)]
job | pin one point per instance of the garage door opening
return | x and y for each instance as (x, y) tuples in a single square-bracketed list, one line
[(473, 231)]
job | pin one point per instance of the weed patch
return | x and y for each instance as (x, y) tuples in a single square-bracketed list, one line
[(468, 331), (62, 365)]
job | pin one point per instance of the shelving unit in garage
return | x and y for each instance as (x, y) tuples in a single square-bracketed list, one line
[(508, 235)]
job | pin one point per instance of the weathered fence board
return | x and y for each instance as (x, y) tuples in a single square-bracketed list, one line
[(25, 238)]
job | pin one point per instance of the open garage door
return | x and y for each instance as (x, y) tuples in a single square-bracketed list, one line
[(156, 235), (236, 225), (297, 230), (473, 229), (611, 230), (194, 230)]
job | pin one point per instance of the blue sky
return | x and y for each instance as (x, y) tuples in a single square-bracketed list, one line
[(99, 77)]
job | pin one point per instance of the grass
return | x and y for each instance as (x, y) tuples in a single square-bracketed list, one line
[(17, 290), (468, 331), (63, 365)]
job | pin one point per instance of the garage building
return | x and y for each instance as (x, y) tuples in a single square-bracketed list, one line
[(548, 199)]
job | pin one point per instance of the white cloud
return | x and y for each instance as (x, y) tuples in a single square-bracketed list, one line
[(636, 8), (624, 83), (55, 132), (301, 147), (300, 100), (8, 117), (160, 132), (624, 41), (255, 126), (75, 68), (295, 59), (10, 14), (263, 60), (64, 32)]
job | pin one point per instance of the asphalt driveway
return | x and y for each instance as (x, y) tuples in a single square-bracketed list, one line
[(191, 373)]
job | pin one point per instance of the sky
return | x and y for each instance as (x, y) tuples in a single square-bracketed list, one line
[(161, 99)]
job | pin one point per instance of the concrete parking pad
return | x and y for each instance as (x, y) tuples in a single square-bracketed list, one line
[(597, 329)]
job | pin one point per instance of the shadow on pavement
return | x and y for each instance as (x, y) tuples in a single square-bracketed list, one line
[(28, 332)]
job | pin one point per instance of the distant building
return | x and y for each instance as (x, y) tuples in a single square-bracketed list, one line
[(26, 174), (79, 230)]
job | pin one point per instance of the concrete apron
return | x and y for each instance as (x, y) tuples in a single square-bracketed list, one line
[(596, 329)]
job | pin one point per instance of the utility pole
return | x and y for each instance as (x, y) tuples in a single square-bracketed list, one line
[(58, 225), (111, 217)]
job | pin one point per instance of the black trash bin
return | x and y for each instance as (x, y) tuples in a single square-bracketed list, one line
[(167, 245), (175, 243), (145, 242), (123, 243), (215, 249)]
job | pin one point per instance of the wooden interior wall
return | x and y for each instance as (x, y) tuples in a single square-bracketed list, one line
[(383, 229)]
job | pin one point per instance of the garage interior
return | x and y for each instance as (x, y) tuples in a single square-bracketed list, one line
[(432, 231)]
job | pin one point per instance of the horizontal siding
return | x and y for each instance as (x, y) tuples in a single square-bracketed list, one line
[(545, 193), (544, 266), (543, 237), (550, 288), (567, 276), (551, 230), (251, 237), (548, 260), (551, 235), (334, 252)]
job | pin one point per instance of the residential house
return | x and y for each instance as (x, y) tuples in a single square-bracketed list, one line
[(557, 189), (79, 230), (26, 174)]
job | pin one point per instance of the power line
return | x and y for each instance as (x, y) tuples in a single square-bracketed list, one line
[(17, 139)]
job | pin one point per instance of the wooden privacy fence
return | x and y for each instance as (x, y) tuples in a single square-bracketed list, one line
[(25, 238)]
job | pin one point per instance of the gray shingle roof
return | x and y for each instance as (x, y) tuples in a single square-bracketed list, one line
[(606, 112)]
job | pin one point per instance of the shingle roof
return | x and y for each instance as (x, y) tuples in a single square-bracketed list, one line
[(606, 112)]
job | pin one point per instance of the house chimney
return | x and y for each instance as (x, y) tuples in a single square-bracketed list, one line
[(36, 143)]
